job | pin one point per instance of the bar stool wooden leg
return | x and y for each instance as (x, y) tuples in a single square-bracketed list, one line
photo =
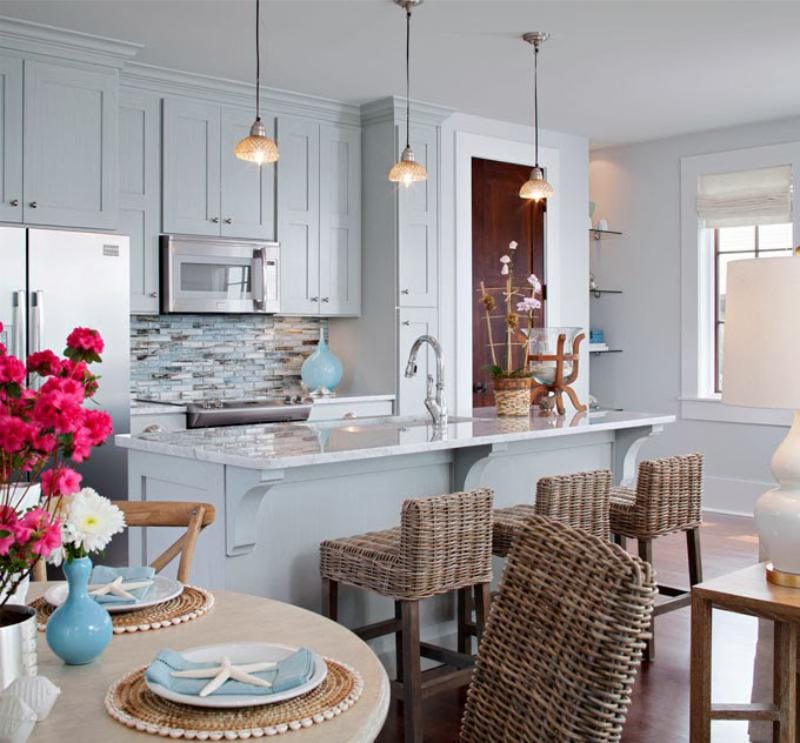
[(646, 554), (695, 557), (621, 540), (700, 714), (398, 641), (412, 673), (330, 599), (785, 682), (463, 611), (482, 598)]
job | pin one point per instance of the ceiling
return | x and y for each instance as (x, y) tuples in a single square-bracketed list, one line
[(615, 72)]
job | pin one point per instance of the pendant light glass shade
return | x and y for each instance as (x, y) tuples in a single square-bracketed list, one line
[(407, 170), (536, 187), (257, 147)]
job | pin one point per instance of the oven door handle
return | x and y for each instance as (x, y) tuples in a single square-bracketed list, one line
[(260, 279)]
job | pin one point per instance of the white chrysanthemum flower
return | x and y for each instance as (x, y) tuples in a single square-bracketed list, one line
[(92, 520), (513, 245), (533, 280)]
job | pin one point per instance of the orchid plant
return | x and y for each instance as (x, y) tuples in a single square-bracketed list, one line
[(44, 429), (521, 305)]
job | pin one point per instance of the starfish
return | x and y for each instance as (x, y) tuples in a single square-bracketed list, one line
[(118, 588), (226, 670)]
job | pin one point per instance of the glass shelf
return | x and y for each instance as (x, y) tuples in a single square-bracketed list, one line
[(600, 234), (607, 350), (599, 292)]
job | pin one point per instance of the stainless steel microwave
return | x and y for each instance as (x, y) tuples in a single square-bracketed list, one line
[(211, 275)]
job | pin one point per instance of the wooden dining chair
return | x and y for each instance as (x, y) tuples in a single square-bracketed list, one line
[(194, 516), (563, 642)]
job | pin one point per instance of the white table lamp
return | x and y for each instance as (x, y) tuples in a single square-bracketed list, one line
[(761, 368)]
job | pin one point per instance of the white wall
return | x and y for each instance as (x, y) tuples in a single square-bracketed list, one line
[(568, 256), (637, 188)]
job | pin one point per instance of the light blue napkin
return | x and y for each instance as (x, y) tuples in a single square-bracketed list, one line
[(292, 671), (103, 574)]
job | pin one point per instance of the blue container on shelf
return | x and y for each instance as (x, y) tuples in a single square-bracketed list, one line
[(321, 371), (597, 336)]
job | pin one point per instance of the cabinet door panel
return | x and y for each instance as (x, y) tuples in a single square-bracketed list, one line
[(414, 322), (10, 139), (340, 220), (191, 168), (248, 191), (418, 227), (70, 149), (298, 215), (140, 198)]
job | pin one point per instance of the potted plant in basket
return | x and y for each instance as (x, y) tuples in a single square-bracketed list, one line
[(509, 369), (45, 427)]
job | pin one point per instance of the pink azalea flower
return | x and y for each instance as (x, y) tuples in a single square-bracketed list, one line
[(49, 540), (85, 339), (44, 363), (7, 538), (12, 370), (99, 425), (61, 481), (15, 434)]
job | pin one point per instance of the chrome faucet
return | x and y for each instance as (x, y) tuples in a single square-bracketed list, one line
[(436, 404)]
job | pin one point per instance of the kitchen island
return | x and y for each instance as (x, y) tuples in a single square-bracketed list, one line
[(281, 489)]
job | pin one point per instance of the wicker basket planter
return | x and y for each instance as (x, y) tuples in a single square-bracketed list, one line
[(512, 396)]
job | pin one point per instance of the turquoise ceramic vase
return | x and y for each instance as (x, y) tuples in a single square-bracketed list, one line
[(321, 371), (80, 629)]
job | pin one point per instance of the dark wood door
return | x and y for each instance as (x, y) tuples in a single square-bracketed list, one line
[(499, 216)]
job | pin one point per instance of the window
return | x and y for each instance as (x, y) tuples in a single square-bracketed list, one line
[(737, 243)]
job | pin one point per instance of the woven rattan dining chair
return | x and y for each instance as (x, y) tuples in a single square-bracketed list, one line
[(580, 500), (563, 641), (443, 544), (194, 516), (667, 499)]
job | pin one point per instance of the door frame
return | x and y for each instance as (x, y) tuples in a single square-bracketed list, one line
[(519, 153)]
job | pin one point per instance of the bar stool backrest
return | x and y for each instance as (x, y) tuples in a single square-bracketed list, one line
[(669, 494), (580, 500)]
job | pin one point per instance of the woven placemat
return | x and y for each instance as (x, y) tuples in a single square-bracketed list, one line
[(192, 603), (130, 702)]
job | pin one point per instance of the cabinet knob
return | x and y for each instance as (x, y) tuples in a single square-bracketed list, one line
[(153, 294), (228, 220), (33, 204), (404, 291), (14, 202), (406, 322), (326, 299), (314, 299), (215, 220)]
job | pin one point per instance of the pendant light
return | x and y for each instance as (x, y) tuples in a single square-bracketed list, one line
[(407, 170), (536, 187), (257, 147)]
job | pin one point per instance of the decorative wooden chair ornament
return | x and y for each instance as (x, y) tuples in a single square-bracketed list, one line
[(560, 386)]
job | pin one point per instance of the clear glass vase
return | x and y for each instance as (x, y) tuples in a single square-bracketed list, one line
[(543, 343)]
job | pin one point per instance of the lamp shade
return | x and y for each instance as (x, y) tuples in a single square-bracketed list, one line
[(761, 360)]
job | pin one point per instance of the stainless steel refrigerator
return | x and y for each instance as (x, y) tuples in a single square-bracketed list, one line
[(52, 281)]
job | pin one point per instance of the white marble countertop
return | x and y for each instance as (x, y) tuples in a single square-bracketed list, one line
[(152, 407), (285, 445), (351, 397)]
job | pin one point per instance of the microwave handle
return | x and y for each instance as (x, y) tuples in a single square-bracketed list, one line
[(260, 279)]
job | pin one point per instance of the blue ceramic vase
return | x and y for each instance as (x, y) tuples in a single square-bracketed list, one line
[(80, 629), (321, 371)]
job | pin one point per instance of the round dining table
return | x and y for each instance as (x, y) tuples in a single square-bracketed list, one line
[(80, 714)]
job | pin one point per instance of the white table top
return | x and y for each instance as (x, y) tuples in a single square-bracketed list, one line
[(79, 713)]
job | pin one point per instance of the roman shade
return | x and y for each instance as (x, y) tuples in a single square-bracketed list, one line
[(745, 197)]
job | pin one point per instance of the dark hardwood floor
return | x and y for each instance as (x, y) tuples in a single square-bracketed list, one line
[(659, 711)]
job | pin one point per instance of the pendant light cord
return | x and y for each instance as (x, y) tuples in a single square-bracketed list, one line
[(408, 75), (258, 60), (536, 102)]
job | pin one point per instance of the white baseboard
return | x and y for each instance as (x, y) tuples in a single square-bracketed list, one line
[(732, 496)]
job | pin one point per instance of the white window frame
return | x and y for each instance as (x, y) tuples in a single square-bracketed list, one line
[(698, 400)]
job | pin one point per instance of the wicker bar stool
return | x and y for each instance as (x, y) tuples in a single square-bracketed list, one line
[(443, 544), (563, 642), (580, 500), (667, 499)]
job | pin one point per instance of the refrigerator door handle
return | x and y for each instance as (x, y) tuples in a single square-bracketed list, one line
[(259, 279), (18, 330), (37, 320)]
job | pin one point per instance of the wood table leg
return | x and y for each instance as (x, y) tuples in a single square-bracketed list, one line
[(784, 662), (700, 707)]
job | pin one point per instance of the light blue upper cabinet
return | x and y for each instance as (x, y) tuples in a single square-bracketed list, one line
[(10, 139), (70, 147), (298, 214), (140, 192), (191, 167), (418, 224), (248, 191), (340, 220)]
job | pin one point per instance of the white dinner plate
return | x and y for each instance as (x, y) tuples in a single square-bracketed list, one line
[(163, 589), (242, 652)]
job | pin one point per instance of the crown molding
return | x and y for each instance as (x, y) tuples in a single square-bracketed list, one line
[(392, 108), (42, 40), (165, 81)]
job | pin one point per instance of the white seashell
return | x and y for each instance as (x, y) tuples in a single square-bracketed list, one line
[(38, 692), (16, 720)]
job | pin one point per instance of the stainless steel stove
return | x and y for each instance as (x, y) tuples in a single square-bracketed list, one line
[(214, 413)]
